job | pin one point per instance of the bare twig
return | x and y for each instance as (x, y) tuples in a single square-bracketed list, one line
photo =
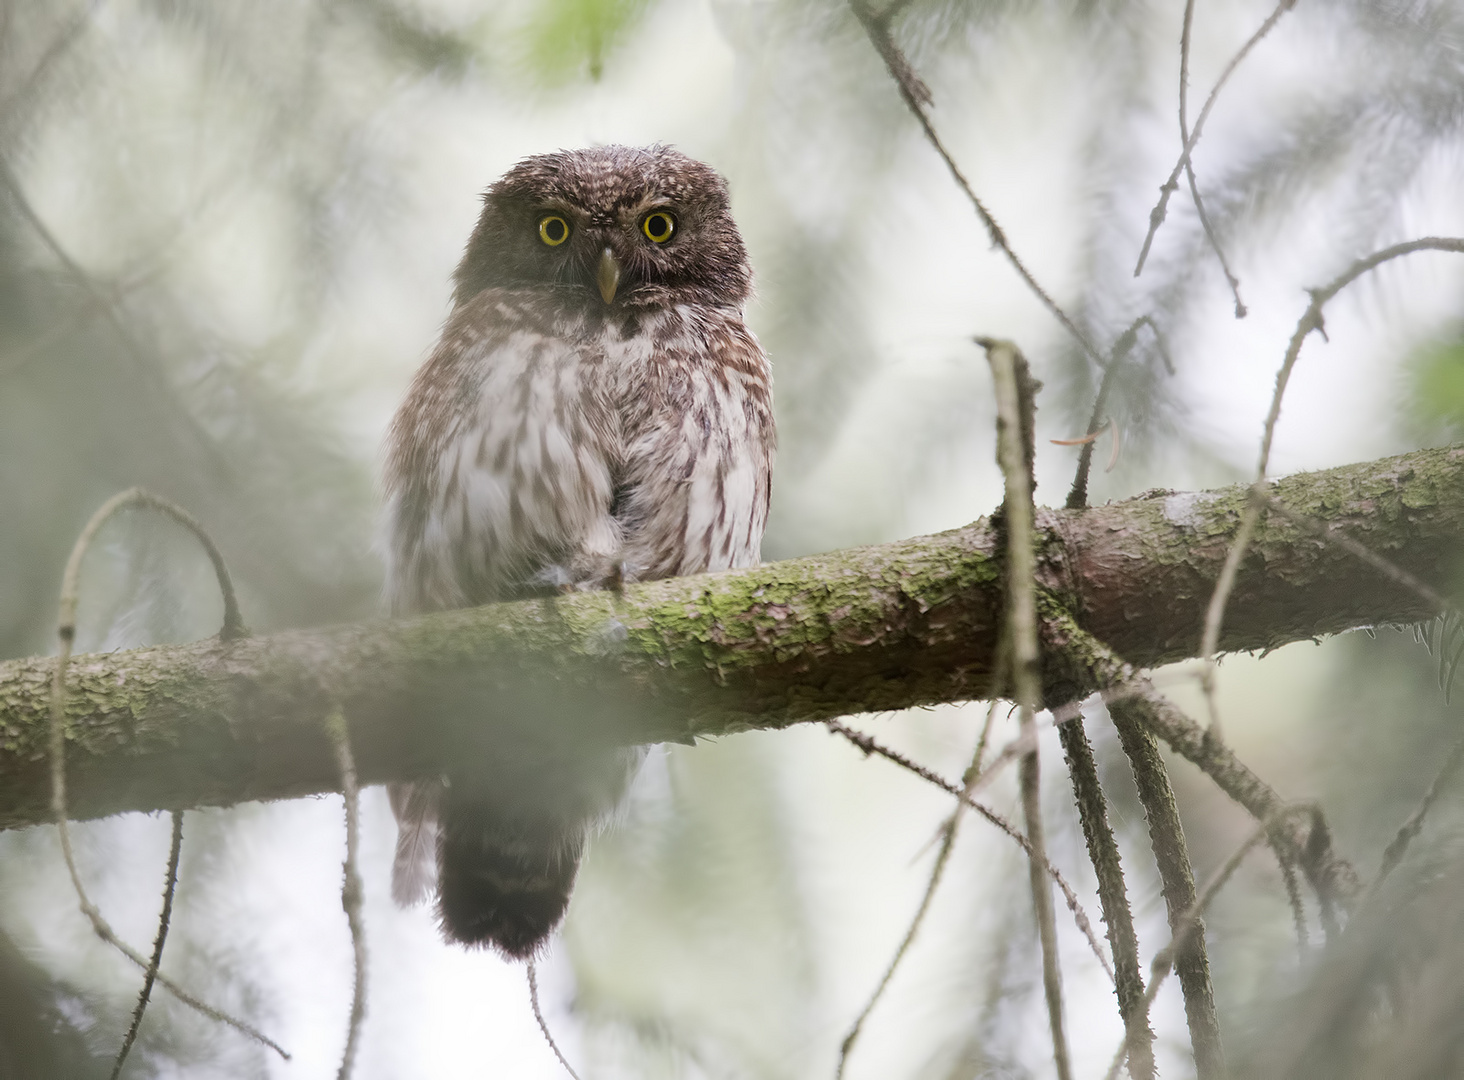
[(1080, 916), (1156, 215), (1189, 167), (1112, 896), (1398, 846), (948, 841), (1078, 497), (975, 778), (66, 633), (1230, 279), (1293, 897), (1166, 833), (1092, 665), (1014, 426), (1190, 923), (1186, 25), (233, 627), (543, 1027), (170, 886), (1310, 320), (351, 888), (978, 756), (917, 97)]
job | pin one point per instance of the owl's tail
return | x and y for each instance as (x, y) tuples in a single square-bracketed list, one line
[(504, 881), (505, 835)]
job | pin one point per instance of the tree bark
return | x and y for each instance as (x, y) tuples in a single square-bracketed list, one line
[(868, 629)]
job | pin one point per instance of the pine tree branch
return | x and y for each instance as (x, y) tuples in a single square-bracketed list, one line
[(869, 629)]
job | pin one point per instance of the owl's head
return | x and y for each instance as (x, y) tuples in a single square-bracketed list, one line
[(614, 226)]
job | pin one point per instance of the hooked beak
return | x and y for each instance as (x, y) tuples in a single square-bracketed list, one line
[(607, 275)]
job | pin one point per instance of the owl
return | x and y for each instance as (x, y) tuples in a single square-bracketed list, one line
[(595, 412)]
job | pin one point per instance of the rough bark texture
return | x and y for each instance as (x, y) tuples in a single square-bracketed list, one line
[(876, 628), (1166, 834), (1112, 895)]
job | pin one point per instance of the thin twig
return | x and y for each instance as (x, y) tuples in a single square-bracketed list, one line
[(1080, 916), (975, 778), (1189, 167), (351, 887), (170, 886), (66, 633), (1166, 835), (1014, 426), (1094, 666), (948, 842), (1189, 922), (1293, 897), (233, 627), (1398, 846), (917, 97), (543, 1027), (1186, 25), (1156, 215), (978, 756), (1112, 895), (1310, 320), (1118, 681), (1230, 279), (1078, 496)]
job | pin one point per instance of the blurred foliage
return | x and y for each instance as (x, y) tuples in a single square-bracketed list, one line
[(697, 879), (1438, 387), (566, 39), (205, 209)]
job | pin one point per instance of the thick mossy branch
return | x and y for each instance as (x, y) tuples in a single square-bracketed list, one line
[(878, 628)]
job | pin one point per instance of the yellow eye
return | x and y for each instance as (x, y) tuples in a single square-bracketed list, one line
[(659, 226), (553, 230)]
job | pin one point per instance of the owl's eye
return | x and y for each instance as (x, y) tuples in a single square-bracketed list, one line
[(659, 226), (553, 230)]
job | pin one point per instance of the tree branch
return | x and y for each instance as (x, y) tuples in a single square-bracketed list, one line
[(869, 629)]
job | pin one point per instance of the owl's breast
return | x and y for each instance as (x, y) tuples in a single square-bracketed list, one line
[(500, 465), (694, 397)]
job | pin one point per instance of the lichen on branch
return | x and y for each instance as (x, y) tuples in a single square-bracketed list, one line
[(867, 629)]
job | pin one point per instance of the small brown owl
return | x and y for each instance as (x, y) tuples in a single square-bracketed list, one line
[(596, 411)]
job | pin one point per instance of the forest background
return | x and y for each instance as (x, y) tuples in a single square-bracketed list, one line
[(226, 233)]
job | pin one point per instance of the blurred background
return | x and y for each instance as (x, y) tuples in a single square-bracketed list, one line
[(226, 235)]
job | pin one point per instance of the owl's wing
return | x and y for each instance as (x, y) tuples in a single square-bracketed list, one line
[(414, 869)]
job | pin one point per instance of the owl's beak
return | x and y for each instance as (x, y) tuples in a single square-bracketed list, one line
[(607, 276)]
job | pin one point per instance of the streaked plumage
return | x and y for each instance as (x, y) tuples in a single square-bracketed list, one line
[(595, 411)]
